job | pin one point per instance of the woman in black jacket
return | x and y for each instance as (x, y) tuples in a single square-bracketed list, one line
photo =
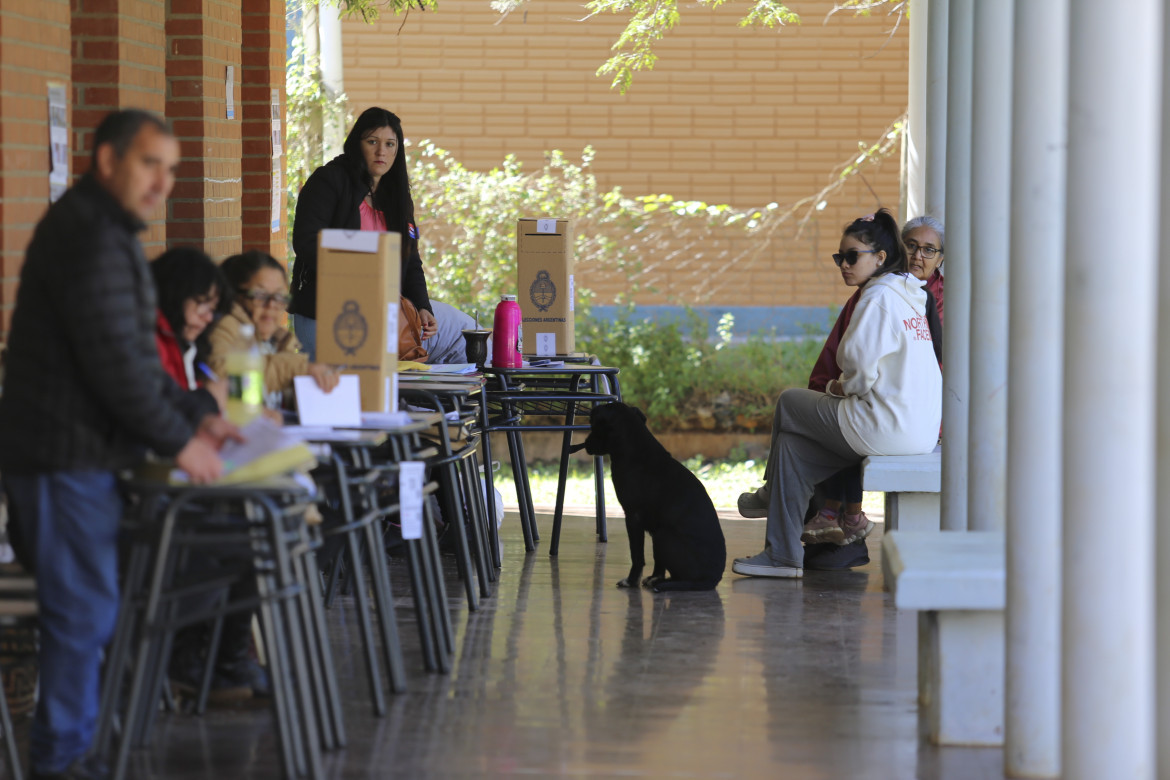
[(367, 187)]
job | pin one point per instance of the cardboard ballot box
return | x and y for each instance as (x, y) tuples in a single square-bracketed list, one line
[(546, 291), (357, 309)]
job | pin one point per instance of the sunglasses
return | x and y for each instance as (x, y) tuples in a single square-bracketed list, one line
[(262, 298), (852, 256)]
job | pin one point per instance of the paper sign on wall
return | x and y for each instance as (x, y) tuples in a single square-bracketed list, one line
[(546, 226), (58, 142), (231, 91), (275, 197)]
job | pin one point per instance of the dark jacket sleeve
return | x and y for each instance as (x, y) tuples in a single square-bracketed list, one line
[(315, 208), (194, 405), (117, 358), (826, 368), (414, 281)]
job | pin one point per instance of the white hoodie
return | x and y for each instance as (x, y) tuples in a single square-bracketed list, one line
[(891, 378)]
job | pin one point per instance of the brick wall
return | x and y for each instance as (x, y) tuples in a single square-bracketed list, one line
[(203, 39), (34, 50), (118, 62), (166, 56), (263, 69), (743, 116)]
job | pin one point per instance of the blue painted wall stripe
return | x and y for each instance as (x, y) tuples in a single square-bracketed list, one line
[(784, 321)]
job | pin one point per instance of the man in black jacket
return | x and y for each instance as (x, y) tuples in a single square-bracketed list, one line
[(85, 395)]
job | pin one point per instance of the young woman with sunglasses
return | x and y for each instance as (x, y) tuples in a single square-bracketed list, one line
[(260, 298), (841, 493), (885, 400)]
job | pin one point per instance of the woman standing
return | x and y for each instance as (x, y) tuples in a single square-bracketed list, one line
[(886, 401), (367, 187)]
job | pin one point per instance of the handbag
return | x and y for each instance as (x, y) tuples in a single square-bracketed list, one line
[(410, 332)]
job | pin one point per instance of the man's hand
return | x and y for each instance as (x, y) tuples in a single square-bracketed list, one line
[(200, 461), (429, 326), (216, 430), (325, 377)]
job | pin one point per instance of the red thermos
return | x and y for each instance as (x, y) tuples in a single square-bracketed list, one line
[(507, 334)]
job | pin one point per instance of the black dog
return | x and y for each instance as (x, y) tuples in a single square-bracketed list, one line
[(662, 498)]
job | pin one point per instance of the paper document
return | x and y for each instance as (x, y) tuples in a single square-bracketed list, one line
[(341, 407), (385, 419), (453, 368), (325, 433), (267, 450)]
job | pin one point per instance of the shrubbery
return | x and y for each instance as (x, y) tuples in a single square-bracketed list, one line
[(683, 381)]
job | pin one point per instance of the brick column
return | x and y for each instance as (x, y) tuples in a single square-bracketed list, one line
[(263, 72), (118, 62), (202, 40), (34, 50)]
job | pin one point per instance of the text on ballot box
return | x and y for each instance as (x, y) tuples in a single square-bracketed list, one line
[(410, 498)]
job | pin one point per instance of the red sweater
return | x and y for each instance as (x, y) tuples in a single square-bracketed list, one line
[(169, 351), (826, 367)]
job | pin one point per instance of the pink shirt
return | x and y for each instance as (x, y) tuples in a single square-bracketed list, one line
[(371, 219)]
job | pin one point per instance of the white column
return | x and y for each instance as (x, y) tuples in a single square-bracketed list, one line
[(1039, 143), (936, 109), (957, 328), (1163, 465), (915, 137), (1107, 635), (991, 133), (332, 76)]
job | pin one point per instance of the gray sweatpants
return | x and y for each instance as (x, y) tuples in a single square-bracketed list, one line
[(807, 448)]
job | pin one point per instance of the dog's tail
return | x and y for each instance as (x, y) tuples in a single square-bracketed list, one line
[(577, 447), (672, 584)]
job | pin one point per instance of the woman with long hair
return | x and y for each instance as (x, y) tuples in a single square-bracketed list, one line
[(367, 187), (192, 294)]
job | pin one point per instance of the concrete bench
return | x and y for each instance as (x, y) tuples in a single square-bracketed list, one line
[(955, 580), (912, 484)]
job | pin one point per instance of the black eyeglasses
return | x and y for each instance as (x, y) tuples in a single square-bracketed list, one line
[(852, 256), (928, 252), (263, 298)]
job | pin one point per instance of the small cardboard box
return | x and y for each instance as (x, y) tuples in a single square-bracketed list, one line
[(357, 310), (546, 290)]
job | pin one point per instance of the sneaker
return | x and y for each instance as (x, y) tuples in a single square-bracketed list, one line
[(762, 565), (823, 528), (857, 528), (755, 503), (832, 557)]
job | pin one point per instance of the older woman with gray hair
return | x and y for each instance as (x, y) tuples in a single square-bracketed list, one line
[(923, 237)]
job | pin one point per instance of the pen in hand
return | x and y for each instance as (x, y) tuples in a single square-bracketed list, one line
[(207, 372)]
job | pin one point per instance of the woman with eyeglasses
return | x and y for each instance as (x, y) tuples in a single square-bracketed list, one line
[(886, 399), (259, 297), (191, 294)]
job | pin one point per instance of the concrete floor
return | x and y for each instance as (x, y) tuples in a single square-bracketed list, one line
[(561, 674)]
